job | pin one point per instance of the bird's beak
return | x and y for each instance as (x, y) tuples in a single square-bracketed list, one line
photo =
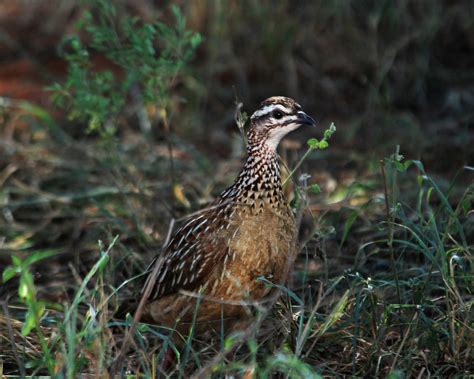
[(304, 119)]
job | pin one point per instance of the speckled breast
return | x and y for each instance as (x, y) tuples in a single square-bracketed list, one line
[(261, 247)]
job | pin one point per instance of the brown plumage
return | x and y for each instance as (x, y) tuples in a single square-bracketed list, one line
[(247, 232)]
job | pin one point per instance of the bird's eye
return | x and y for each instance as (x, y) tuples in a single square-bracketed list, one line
[(277, 114)]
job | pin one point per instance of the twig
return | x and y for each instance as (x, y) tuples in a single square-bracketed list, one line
[(12, 339), (404, 340)]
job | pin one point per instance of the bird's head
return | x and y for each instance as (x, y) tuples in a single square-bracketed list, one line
[(276, 117)]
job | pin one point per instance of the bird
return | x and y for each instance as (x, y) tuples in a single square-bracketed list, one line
[(212, 266)]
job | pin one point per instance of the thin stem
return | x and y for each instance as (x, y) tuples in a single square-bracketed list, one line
[(390, 231), (41, 337), (148, 287), (297, 166)]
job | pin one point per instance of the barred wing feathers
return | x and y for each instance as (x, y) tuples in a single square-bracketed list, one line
[(193, 252)]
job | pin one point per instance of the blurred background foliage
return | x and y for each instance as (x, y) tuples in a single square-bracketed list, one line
[(114, 119), (387, 72)]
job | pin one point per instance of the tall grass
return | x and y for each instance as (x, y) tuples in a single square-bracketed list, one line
[(410, 316), (383, 284)]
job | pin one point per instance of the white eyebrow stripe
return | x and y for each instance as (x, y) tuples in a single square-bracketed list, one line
[(270, 108)]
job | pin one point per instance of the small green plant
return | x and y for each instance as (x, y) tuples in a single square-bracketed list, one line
[(75, 334), (313, 144), (27, 294), (148, 58)]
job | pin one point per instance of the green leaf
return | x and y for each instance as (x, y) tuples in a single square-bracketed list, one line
[(407, 163), (314, 188), (9, 273), (230, 341), (428, 194), (347, 226), (16, 261), (23, 289), (100, 263), (253, 346), (103, 262), (26, 289), (400, 167), (38, 256), (313, 143), (196, 40), (323, 144), (419, 165), (29, 323), (335, 314), (466, 206), (420, 179), (40, 309), (329, 132)]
